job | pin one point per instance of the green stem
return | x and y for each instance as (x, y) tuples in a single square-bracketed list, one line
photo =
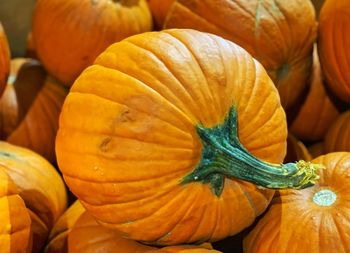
[(224, 156)]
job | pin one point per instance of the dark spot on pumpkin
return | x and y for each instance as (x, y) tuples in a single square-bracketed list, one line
[(94, 2), (104, 144), (126, 116), (282, 71), (5, 154)]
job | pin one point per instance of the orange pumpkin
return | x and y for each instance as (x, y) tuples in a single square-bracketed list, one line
[(333, 41), (312, 121), (4, 59), (279, 34), (338, 135), (159, 9), (15, 233), (316, 219), (70, 34), (77, 232), (39, 185), (30, 107), (162, 134)]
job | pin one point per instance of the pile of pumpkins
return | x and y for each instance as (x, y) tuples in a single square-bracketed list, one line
[(169, 125)]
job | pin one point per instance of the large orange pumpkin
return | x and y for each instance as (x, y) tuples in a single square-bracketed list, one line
[(312, 121), (333, 42), (338, 136), (15, 233), (159, 9), (70, 34), (77, 231), (30, 107), (4, 60), (314, 220), (153, 149), (278, 33), (39, 185)]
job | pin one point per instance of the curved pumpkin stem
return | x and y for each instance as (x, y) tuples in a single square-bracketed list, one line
[(224, 155)]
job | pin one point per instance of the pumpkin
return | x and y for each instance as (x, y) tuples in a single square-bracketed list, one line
[(311, 123), (296, 150), (15, 233), (279, 34), (316, 219), (39, 185), (333, 41), (4, 59), (69, 35), (338, 135), (162, 134), (159, 9), (30, 107), (77, 231)]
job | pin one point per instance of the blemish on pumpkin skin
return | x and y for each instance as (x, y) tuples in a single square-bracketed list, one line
[(258, 16), (104, 144), (125, 116)]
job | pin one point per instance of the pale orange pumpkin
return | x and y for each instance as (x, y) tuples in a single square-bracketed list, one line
[(4, 60), (76, 231), (15, 232), (39, 185), (278, 33), (158, 148), (70, 34), (333, 42), (30, 107), (312, 121), (316, 219)]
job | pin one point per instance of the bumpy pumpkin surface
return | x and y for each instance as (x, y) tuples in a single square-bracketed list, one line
[(316, 219), (39, 185), (70, 34), (338, 135), (15, 221), (159, 9), (312, 121), (153, 148), (333, 43), (76, 231), (30, 107), (278, 33), (4, 60)]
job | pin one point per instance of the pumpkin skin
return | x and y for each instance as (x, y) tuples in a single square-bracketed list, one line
[(4, 60), (305, 218), (68, 45), (338, 136), (159, 9), (334, 37), (30, 108), (77, 231), (15, 233), (39, 185), (311, 123), (145, 149), (279, 34)]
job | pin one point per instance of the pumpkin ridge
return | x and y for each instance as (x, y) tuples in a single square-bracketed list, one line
[(180, 82), (144, 112), (214, 99), (339, 232), (133, 138)]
